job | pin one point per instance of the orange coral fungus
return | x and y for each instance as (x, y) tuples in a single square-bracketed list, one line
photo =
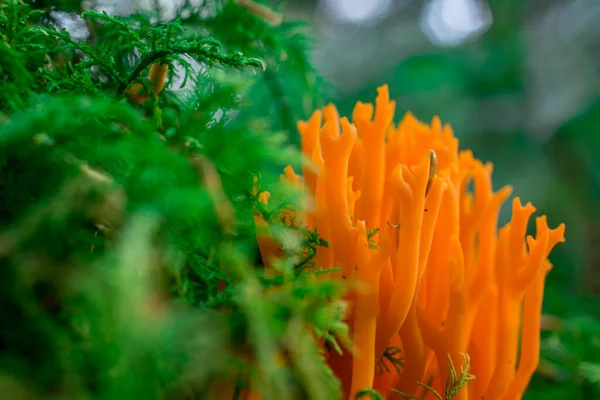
[(156, 78), (442, 286)]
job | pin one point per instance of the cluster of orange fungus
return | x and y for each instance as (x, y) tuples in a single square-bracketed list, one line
[(434, 276)]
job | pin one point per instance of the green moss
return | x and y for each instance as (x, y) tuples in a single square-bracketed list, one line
[(112, 247)]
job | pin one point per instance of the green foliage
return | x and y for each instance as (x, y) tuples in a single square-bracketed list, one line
[(368, 393), (569, 360), (454, 384), (128, 255), (113, 58), (283, 48)]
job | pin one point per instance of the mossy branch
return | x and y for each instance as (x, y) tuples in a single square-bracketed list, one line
[(107, 65), (204, 50), (149, 44)]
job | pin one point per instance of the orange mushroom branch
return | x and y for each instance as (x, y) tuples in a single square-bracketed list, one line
[(433, 278)]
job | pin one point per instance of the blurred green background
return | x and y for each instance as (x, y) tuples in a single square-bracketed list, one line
[(519, 81)]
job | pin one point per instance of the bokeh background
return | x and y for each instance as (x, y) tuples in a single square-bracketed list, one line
[(519, 81)]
